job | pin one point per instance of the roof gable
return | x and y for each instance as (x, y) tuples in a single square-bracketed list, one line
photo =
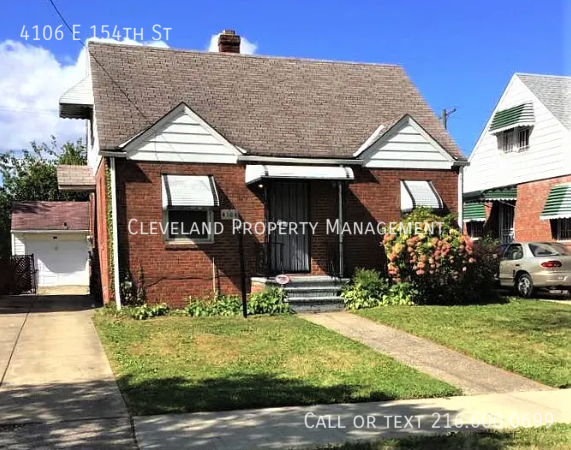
[(405, 144), (268, 106), (554, 92), (181, 136), (546, 156)]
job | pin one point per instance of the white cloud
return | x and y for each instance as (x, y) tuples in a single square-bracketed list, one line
[(31, 82), (246, 47)]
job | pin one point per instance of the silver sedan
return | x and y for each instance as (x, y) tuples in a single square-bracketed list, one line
[(528, 266)]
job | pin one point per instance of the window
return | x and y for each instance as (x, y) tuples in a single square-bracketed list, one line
[(514, 251), (188, 202), (523, 138), (549, 249), (561, 228), (192, 225), (514, 140), (475, 229)]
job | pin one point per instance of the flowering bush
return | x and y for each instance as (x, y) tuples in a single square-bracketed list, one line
[(437, 262)]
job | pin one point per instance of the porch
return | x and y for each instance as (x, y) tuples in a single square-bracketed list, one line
[(491, 212), (303, 217)]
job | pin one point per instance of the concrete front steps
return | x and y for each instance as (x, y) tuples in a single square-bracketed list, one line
[(313, 293)]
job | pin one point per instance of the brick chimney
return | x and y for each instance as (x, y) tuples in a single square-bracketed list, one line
[(229, 42)]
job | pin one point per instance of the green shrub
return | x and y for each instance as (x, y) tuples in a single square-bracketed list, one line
[(366, 290), (272, 300), (134, 294), (219, 305), (145, 311), (402, 294), (481, 279)]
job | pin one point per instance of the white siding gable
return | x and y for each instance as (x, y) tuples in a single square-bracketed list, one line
[(548, 154), (182, 136), (406, 145)]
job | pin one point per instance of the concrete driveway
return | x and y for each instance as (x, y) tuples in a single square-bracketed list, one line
[(56, 387)]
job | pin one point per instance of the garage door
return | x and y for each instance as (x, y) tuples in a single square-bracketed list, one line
[(60, 262)]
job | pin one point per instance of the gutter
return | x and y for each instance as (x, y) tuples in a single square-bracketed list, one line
[(291, 160), (117, 281), (113, 154), (461, 197)]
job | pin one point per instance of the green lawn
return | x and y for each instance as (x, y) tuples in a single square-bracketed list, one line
[(556, 437), (182, 364), (529, 337)]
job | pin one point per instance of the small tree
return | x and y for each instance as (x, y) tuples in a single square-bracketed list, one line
[(30, 175)]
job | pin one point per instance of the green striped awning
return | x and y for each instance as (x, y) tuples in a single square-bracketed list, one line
[(558, 203), (518, 116), (503, 193), (474, 212)]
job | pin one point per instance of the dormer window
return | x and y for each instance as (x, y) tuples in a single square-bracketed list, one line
[(512, 127), (513, 140)]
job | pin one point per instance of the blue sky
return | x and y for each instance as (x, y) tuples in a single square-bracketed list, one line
[(459, 54)]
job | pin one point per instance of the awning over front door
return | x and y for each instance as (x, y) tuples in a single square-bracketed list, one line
[(257, 172), (506, 193), (558, 203)]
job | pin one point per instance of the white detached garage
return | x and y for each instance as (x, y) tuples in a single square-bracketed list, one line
[(57, 234)]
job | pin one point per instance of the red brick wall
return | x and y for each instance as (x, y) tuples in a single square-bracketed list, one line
[(100, 241), (375, 196), (530, 202), (173, 272), (323, 205)]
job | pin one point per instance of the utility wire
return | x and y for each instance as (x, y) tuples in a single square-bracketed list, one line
[(100, 64)]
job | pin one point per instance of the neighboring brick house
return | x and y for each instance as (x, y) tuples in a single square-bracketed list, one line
[(517, 185), (207, 138)]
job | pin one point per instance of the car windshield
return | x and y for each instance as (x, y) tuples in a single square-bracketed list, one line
[(549, 249)]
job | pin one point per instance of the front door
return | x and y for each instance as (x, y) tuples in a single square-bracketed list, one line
[(289, 204), (506, 219)]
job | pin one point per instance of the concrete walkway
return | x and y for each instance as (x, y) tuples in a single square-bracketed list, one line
[(307, 427), (470, 375), (56, 386)]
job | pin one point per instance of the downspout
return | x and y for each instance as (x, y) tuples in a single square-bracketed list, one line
[(461, 197), (117, 280), (340, 192)]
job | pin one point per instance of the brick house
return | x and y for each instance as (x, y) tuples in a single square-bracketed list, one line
[(202, 139), (517, 183)]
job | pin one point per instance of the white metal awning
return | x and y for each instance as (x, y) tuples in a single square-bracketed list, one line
[(189, 190), (256, 172), (419, 193), (77, 103)]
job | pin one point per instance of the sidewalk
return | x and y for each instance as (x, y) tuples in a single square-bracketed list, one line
[(292, 427), (472, 376)]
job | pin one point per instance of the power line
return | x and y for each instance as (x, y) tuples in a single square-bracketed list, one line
[(99, 64), (47, 112)]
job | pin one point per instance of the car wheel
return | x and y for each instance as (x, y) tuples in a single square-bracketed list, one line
[(524, 286)]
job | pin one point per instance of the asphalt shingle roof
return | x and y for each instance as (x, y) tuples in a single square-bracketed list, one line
[(268, 106), (554, 92), (50, 216)]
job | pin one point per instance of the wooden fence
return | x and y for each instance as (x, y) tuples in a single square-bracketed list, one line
[(17, 275)]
